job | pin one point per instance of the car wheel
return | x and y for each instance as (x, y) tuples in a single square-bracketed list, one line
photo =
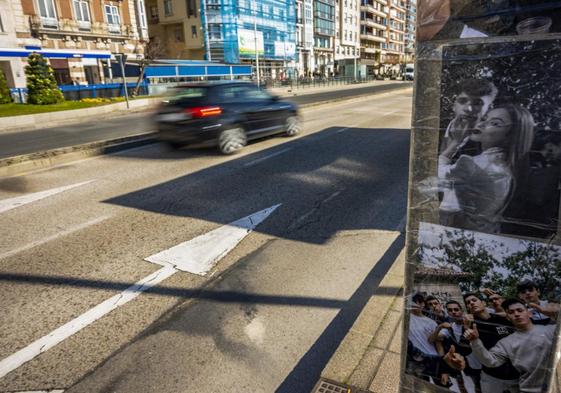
[(293, 125), (232, 140)]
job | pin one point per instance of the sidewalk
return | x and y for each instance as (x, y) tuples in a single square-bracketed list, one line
[(368, 359)]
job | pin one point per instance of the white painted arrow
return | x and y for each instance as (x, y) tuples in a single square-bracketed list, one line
[(199, 255), (205, 251)]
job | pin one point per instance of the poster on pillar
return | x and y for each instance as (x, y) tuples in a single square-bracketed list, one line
[(483, 276)]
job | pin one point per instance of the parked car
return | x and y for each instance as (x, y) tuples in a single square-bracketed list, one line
[(224, 114)]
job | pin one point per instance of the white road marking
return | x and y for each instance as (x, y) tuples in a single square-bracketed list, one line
[(53, 237), (257, 161), (199, 255), (255, 331), (235, 232), (58, 335), (12, 203)]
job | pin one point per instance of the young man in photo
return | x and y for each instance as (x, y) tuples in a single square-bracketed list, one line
[(541, 310), (527, 349), (473, 98), (423, 360), (492, 328), (496, 301), (435, 310)]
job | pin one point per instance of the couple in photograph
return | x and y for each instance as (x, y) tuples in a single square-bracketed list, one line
[(484, 149)]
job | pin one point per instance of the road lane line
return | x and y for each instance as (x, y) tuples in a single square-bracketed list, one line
[(205, 250), (53, 237), (12, 203), (257, 161), (58, 335)]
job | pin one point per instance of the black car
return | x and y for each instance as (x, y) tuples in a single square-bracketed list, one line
[(226, 115)]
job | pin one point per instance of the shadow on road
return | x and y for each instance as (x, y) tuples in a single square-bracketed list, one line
[(369, 166)]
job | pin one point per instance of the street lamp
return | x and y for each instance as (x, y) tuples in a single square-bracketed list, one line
[(255, 37)]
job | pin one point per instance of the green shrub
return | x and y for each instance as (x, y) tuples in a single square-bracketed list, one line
[(5, 96), (41, 84)]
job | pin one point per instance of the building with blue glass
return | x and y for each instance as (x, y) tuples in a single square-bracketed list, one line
[(237, 31)]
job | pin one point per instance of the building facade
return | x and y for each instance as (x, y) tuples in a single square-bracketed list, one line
[(347, 38), (323, 59), (74, 35), (239, 31), (177, 26), (382, 35), (304, 37), (410, 31)]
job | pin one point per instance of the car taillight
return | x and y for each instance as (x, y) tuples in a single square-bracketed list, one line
[(203, 111)]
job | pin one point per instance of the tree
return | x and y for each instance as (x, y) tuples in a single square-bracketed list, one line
[(5, 96), (153, 50), (42, 88)]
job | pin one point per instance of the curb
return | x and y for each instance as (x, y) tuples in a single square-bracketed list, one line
[(18, 165), (368, 357)]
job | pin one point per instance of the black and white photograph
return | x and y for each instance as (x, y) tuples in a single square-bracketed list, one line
[(452, 19), (499, 162), (483, 311)]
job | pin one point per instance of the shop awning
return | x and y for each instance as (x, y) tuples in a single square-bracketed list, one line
[(55, 53), (194, 68)]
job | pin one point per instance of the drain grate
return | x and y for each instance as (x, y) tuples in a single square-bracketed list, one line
[(324, 386)]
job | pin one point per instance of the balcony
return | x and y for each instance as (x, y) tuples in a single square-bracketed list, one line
[(373, 23), (367, 49), (48, 23), (371, 37), (370, 8), (115, 29)]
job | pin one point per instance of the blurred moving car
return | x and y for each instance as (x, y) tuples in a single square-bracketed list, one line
[(224, 114)]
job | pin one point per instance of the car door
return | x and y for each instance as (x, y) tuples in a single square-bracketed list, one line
[(265, 111)]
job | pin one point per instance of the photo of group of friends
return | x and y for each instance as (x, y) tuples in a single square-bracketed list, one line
[(484, 305), (482, 341)]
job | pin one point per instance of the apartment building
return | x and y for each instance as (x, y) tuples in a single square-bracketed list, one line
[(78, 37), (304, 37), (347, 38), (177, 25), (410, 31), (382, 35), (323, 60)]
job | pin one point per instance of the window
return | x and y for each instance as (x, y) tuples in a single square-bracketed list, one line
[(215, 31), (178, 34), (193, 31), (154, 12), (82, 11), (142, 14), (113, 19), (168, 9), (47, 12)]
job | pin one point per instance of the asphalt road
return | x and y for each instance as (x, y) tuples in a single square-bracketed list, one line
[(266, 318), (26, 142)]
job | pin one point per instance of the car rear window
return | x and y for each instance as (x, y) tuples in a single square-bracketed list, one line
[(185, 95)]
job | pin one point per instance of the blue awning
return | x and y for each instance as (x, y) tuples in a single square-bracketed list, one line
[(55, 53), (203, 69)]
